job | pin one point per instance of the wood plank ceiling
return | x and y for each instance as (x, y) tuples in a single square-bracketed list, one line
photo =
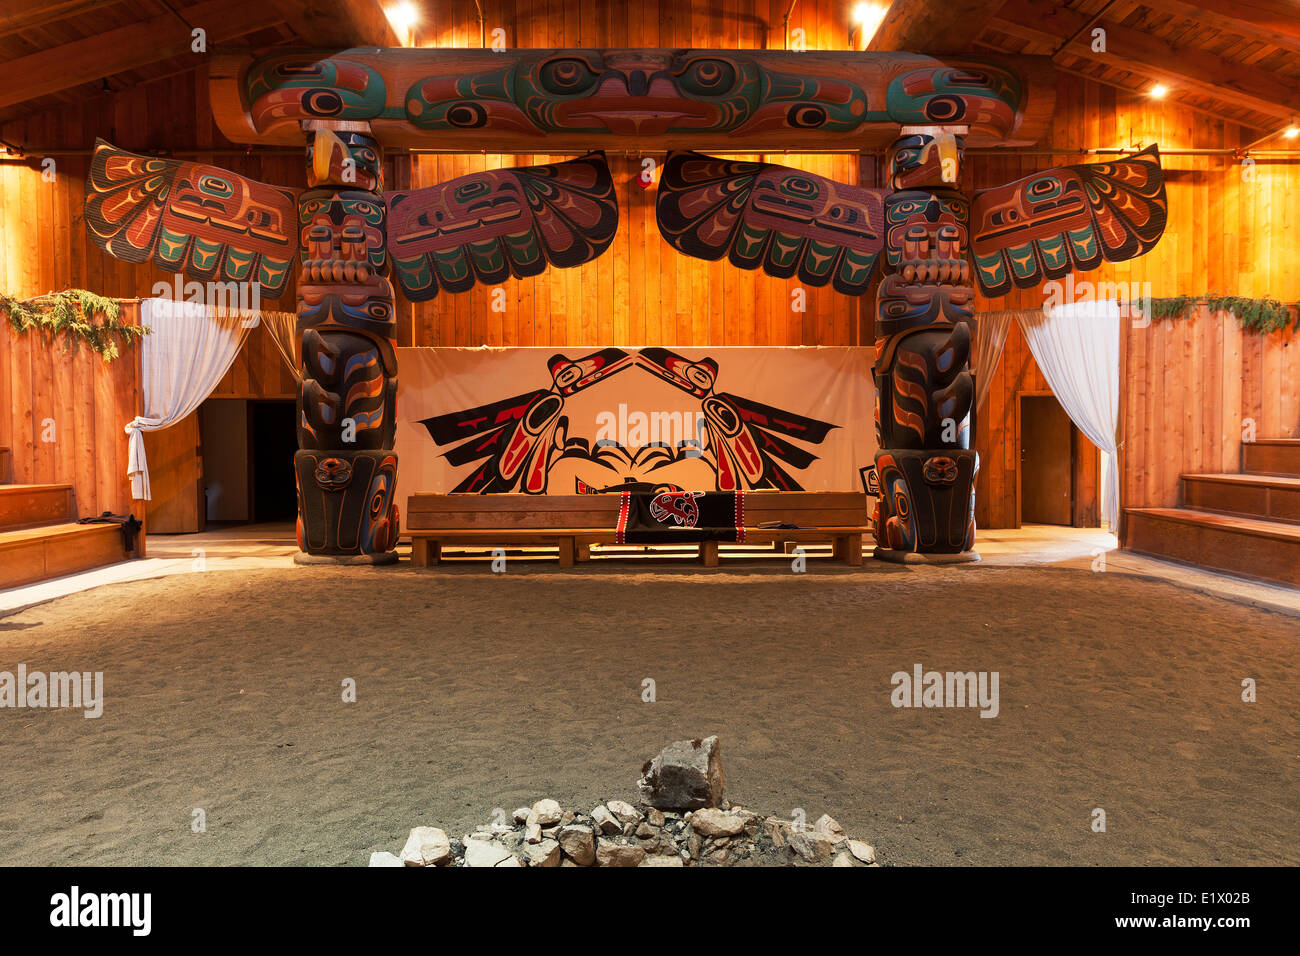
[(55, 52), (1235, 59)]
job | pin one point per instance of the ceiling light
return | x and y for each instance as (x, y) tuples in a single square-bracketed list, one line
[(1292, 133), (403, 16), (1158, 91), (868, 15)]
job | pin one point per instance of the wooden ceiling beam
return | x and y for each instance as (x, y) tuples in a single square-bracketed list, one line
[(1138, 52), (1283, 36), (19, 15), (933, 26), (1273, 18), (338, 24), (127, 47)]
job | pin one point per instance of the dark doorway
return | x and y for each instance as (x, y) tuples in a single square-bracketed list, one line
[(1046, 462), (272, 440)]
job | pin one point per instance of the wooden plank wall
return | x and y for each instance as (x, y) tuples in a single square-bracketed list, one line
[(1194, 387), (82, 403)]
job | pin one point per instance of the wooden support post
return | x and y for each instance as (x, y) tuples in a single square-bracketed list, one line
[(850, 548), (566, 552), (709, 554), (424, 552)]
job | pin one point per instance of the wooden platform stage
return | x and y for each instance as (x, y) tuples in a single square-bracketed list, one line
[(40, 537), (1245, 523)]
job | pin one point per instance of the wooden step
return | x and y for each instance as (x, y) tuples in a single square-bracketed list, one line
[(1272, 497), (1271, 456), (1249, 547), (29, 506), (34, 554)]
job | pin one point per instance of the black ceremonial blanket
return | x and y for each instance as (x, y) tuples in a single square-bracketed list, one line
[(666, 517)]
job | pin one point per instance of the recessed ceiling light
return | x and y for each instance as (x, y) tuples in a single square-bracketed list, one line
[(1158, 91)]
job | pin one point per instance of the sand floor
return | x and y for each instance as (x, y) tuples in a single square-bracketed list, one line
[(476, 691)]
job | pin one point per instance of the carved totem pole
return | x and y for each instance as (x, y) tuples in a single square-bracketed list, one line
[(347, 399), (925, 394), (486, 227)]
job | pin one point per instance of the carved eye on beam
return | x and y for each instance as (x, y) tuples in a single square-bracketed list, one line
[(467, 116), (322, 102), (806, 116), (945, 109), (567, 76), (708, 77)]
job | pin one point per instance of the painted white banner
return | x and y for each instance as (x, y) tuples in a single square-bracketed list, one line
[(536, 420)]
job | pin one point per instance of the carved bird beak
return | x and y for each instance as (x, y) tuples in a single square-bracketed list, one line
[(325, 148)]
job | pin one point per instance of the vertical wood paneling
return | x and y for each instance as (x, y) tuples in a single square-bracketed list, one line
[(83, 404)]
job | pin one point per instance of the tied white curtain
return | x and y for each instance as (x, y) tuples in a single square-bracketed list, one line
[(184, 356), (283, 329), (1077, 347), (990, 336)]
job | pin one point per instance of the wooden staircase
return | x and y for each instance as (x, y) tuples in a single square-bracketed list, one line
[(40, 537), (1246, 524)]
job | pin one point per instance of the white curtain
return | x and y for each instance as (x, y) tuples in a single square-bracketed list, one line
[(990, 336), (1077, 347), (184, 356), (283, 329)]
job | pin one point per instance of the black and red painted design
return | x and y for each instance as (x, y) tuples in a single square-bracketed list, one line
[(666, 517), (515, 442)]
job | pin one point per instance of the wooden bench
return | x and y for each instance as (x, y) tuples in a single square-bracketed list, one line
[(40, 537), (572, 523)]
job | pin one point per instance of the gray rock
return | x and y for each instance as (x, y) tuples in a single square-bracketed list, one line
[(545, 813), (486, 853), (686, 775), (812, 846), (578, 844), (532, 833), (655, 817), (777, 830), (384, 858), (863, 851), (624, 812), (843, 859), (827, 827), (521, 814), (426, 846), (661, 859), (546, 853), (609, 853), (717, 823), (606, 821)]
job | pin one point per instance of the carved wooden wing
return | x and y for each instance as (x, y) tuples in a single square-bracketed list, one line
[(205, 221), (774, 218), (500, 223), (1069, 219)]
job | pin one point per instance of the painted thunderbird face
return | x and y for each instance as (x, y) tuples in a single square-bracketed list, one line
[(981, 96), (924, 225), (638, 92), (344, 227), (301, 86)]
